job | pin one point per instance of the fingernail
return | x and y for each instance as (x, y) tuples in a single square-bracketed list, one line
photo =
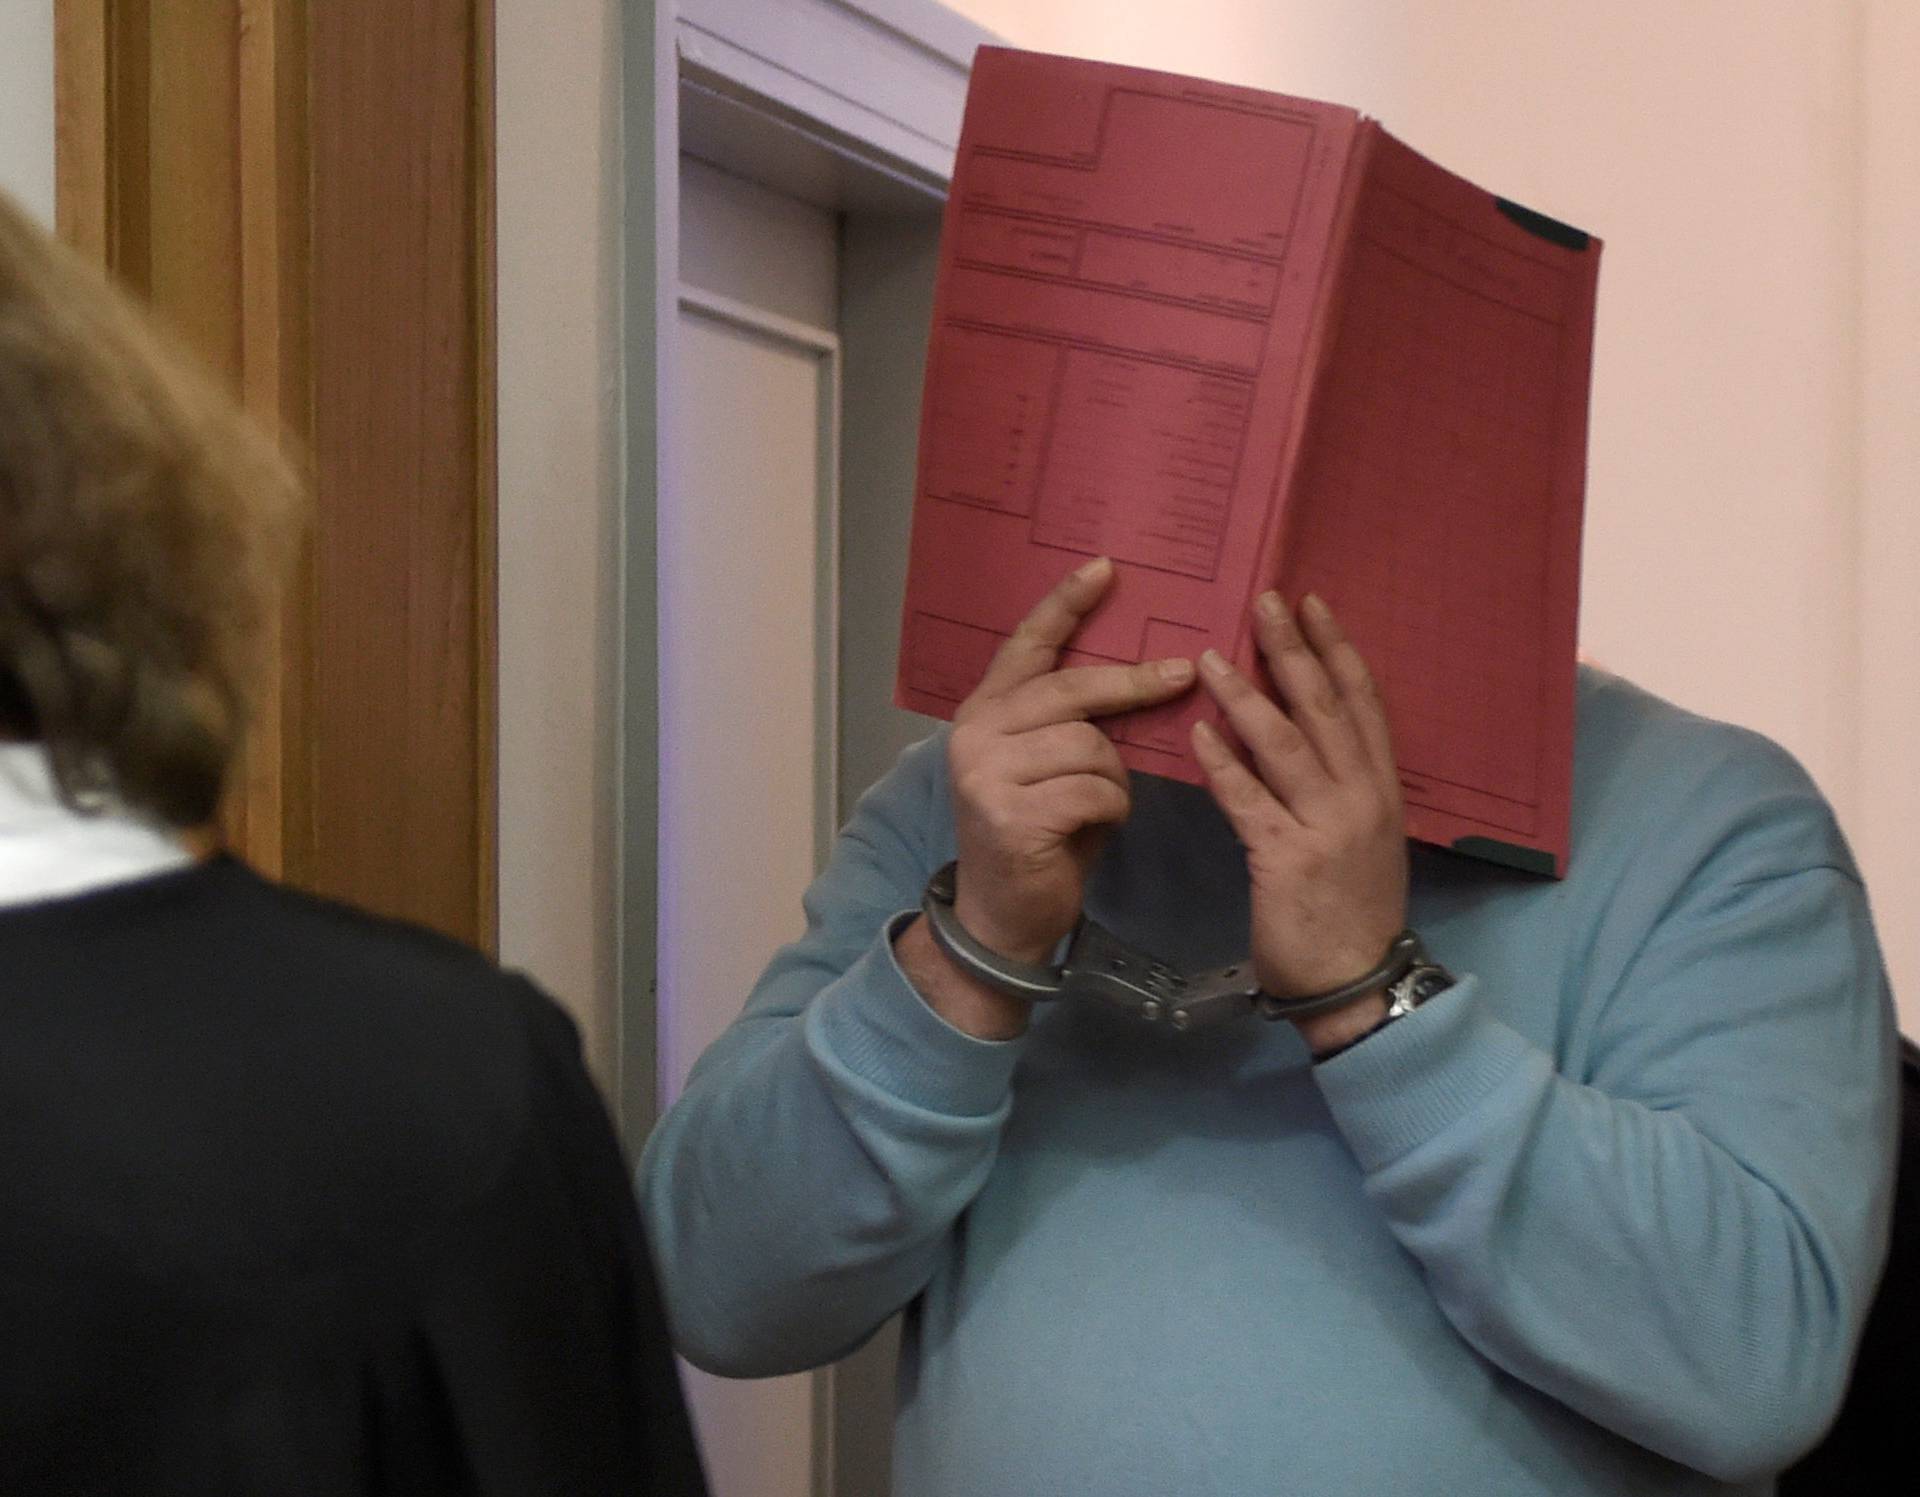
[(1268, 605), (1214, 663), (1204, 738), (1317, 608), (1176, 672), (1095, 568)]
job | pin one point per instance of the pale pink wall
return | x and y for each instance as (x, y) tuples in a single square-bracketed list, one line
[(1887, 826), (1734, 554)]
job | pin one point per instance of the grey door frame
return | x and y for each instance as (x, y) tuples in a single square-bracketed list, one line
[(861, 99), (879, 83)]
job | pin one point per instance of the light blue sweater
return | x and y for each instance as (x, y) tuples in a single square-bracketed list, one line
[(1604, 1217)]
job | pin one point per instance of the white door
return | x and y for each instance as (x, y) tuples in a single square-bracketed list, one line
[(746, 567)]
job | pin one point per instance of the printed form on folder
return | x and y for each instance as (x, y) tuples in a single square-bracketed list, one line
[(1236, 340)]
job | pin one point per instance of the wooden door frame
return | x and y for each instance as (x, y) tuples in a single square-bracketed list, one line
[(223, 204)]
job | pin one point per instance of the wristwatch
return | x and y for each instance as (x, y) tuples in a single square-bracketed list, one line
[(1423, 980), (1426, 979)]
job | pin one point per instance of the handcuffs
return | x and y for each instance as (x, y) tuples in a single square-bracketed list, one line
[(1098, 965)]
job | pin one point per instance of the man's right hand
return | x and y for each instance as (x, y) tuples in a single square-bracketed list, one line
[(1036, 787)]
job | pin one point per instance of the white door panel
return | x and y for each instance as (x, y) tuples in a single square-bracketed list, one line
[(741, 726)]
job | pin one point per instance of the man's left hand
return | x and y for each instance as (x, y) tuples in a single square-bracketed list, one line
[(1318, 812)]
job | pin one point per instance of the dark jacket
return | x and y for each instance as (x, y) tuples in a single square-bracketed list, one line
[(297, 1201), (1870, 1448)]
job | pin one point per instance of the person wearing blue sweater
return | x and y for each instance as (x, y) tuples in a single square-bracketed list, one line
[(1600, 1214)]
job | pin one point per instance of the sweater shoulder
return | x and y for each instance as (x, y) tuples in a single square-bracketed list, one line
[(385, 952), (416, 1009), (1656, 781)]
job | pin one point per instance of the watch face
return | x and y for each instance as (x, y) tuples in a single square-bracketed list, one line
[(1417, 987)]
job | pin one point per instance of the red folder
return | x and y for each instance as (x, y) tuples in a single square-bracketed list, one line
[(1236, 340)]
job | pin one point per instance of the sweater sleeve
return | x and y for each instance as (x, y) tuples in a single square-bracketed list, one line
[(802, 1188), (1677, 1232)]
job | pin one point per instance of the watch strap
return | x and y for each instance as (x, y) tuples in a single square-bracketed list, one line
[(1424, 981), (1403, 954)]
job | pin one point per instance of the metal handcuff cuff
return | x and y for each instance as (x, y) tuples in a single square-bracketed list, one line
[(1099, 965)]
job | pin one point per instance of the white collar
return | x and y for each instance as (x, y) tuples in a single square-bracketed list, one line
[(50, 851)]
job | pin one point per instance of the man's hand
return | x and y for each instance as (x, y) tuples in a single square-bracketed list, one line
[(1319, 812), (1036, 788)]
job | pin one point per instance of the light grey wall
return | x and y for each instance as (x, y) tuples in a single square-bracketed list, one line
[(558, 91), (26, 103), (886, 307)]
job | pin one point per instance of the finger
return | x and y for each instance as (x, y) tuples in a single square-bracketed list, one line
[(1351, 678), (1074, 801), (1250, 808), (1284, 756), (1307, 691), (1035, 644), (1091, 691), (1061, 749)]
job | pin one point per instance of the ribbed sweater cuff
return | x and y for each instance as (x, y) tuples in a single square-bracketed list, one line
[(874, 1023), (1404, 1085)]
